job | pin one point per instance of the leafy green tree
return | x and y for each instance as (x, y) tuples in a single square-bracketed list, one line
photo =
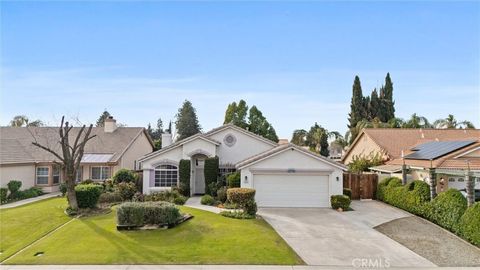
[(299, 137), (187, 121), (451, 122), (102, 118), (357, 107), (23, 121), (237, 114), (317, 140), (258, 124)]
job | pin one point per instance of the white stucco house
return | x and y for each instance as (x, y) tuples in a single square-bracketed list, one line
[(283, 175)]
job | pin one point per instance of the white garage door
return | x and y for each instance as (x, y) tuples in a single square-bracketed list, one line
[(291, 190)]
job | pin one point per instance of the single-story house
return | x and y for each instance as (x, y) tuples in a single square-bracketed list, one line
[(450, 152), (111, 149), (283, 175)]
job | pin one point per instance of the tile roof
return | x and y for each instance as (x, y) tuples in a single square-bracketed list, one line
[(16, 143), (395, 140)]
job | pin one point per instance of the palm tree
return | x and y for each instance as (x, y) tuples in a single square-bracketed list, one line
[(299, 137), (396, 122), (22, 121), (417, 121), (451, 122)]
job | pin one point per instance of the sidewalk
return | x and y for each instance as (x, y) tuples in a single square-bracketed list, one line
[(31, 200), (194, 202)]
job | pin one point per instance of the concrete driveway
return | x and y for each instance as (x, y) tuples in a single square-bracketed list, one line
[(323, 236)]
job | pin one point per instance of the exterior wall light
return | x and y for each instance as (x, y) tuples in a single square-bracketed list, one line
[(246, 179), (338, 178)]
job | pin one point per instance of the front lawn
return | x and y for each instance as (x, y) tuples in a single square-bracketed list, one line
[(206, 239), (20, 226)]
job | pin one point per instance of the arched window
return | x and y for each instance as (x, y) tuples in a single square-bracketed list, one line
[(166, 176)]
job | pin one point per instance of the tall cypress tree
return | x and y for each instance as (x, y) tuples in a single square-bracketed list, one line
[(187, 121), (389, 103), (374, 105), (357, 106)]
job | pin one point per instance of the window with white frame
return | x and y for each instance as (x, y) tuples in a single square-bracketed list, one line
[(56, 174), (100, 173), (42, 175), (78, 178), (166, 176)]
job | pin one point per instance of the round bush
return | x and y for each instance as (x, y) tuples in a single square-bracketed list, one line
[(447, 209), (222, 194), (88, 195), (124, 175), (240, 196), (207, 200), (63, 188), (126, 190), (340, 201), (14, 186), (233, 180), (469, 226), (347, 192), (110, 197)]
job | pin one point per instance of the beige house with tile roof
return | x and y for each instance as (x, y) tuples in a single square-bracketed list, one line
[(111, 149)]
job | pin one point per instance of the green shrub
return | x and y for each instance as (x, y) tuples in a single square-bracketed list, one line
[(14, 186), (138, 197), (237, 214), (211, 173), (250, 207), (340, 201), (3, 195), (233, 180), (240, 196), (184, 177), (207, 200), (382, 185), (222, 194), (447, 209), (110, 197), (152, 213), (125, 175), (172, 196), (63, 188), (131, 214), (417, 197), (87, 182), (88, 195), (126, 190), (108, 185), (363, 163), (347, 192), (469, 225), (29, 193)]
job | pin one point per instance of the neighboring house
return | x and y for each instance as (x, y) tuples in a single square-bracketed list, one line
[(450, 152), (111, 149), (283, 175)]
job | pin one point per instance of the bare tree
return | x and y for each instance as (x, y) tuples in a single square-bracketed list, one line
[(70, 155)]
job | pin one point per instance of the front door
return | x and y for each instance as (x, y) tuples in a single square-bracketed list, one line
[(199, 176)]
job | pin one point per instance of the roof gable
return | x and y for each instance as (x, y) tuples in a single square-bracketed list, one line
[(239, 129)]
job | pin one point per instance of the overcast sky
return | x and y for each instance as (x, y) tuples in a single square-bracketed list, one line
[(295, 61)]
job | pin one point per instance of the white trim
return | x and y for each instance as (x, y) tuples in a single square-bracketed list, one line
[(165, 162), (292, 171), (36, 175), (468, 152), (201, 152), (246, 132)]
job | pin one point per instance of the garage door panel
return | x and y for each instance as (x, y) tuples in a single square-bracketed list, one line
[(291, 190)]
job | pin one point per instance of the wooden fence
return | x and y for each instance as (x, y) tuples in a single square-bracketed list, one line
[(363, 186)]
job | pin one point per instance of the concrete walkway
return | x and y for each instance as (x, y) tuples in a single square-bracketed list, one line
[(31, 200), (194, 202), (322, 236)]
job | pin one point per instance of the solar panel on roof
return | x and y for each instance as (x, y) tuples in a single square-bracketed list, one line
[(433, 150)]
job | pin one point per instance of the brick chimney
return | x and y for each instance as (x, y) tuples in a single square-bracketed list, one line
[(110, 125)]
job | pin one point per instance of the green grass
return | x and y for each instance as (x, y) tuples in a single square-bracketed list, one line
[(206, 239), (21, 226)]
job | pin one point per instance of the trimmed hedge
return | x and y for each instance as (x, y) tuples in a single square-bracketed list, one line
[(110, 197), (125, 175), (233, 180), (244, 198), (88, 195), (210, 172), (469, 225), (14, 187), (172, 196), (207, 200), (340, 201), (152, 213), (447, 209), (412, 197), (347, 192), (184, 177)]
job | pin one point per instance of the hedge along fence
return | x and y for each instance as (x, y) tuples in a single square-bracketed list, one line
[(447, 210), (184, 176), (211, 173)]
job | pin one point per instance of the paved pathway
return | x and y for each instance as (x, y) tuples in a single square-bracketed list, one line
[(31, 200), (323, 236), (194, 202)]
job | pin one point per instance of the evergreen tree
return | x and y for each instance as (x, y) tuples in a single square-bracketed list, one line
[(101, 119), (357, 106), (237, 114), (389, 103), (374, 105), (258, 124), (187, 121)]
